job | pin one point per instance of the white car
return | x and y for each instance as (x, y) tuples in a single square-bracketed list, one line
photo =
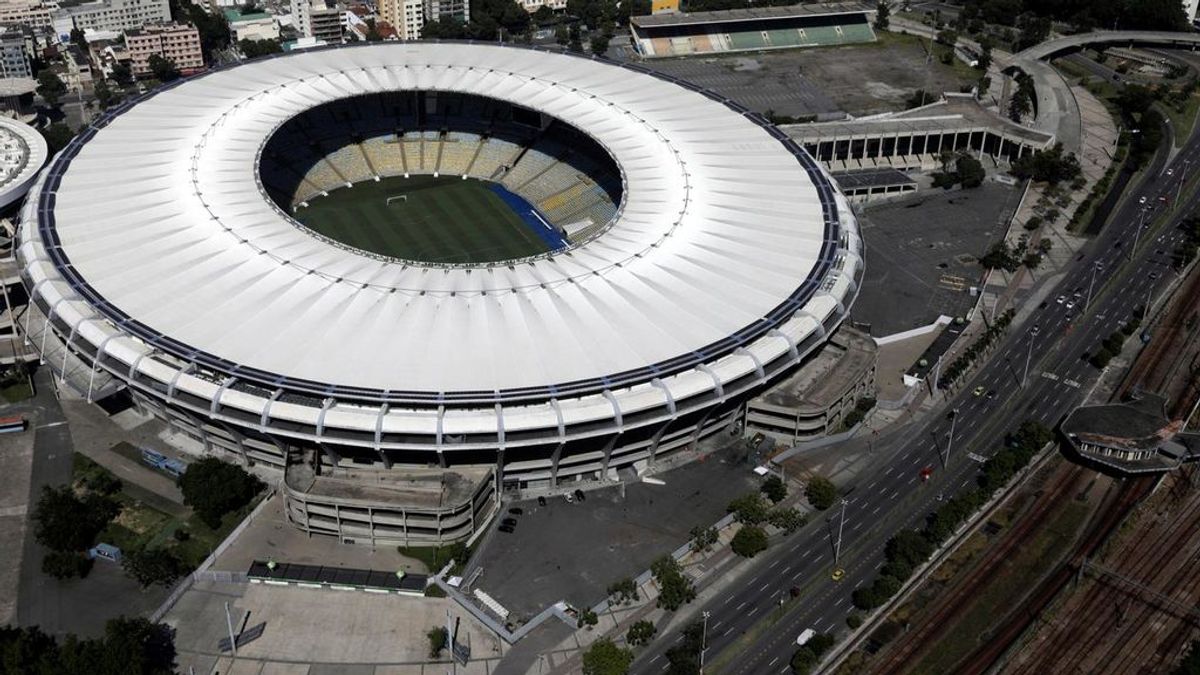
[(804, 637), (1142, 199), (1060, 299), (1070, 304)]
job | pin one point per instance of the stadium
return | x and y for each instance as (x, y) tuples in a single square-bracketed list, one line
[(436, 256)]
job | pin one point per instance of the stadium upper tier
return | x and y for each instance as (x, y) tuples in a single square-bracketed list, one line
[(156, 257)]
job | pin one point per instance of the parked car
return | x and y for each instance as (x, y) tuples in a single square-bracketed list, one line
[(516, 511), (541, 501), (511, 522), (505, 529), (579, 496), (570, 498)]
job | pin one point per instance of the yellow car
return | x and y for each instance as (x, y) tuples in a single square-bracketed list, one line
[(979, 390), (839, 574)]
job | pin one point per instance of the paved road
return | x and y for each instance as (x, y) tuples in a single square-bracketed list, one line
[(38, 595), (892, 496)]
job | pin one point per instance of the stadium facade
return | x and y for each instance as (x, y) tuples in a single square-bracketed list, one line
[(156, 262)]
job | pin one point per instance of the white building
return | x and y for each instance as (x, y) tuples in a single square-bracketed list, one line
[(256, 26), (1189, 8), (118, 15), (317, 19)]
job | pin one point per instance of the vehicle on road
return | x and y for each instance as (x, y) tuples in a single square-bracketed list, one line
[(1070, 304), (979, 390), (838, 574), (1060, 299), (1035, 330), (1170, 172), (1142, 199), (804, 637), (1153, 275), (795, 591), (991, 394)]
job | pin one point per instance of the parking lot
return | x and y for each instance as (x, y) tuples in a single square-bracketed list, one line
[(857, 79), (574, 551), (922, 254)]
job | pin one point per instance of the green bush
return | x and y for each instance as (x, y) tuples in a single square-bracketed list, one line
[(604, 657), (775, 489), (750, 508), (640, 633)]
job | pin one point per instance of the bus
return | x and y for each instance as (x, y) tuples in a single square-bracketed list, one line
[(13, 424)]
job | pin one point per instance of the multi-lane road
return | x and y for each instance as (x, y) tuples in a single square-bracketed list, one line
[(752, 626)]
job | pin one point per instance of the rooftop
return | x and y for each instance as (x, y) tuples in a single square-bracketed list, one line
[(233, 15), (751, 14), (416, 487), (825, 377), (953, 113)]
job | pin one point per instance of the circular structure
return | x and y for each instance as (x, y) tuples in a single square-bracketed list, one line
[(163, 254), (23, 151)]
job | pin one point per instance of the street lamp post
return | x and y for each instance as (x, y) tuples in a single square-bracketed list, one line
[(1182, 180), (837, 547), (703, 640), (1137, 235), (950, 442), (1095, 268), (1028, 358)]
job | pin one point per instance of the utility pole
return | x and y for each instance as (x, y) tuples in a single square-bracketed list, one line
[(703, 640)]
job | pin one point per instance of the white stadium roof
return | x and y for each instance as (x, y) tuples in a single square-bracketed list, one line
[(726, 233)]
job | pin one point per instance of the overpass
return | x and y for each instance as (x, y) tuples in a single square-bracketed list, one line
[(1122, 37)]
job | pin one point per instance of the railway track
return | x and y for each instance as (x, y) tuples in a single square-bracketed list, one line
[(1105, 630), (1157, 367), (901, 654)]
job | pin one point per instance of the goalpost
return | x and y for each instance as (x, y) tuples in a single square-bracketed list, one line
[(396, 198)]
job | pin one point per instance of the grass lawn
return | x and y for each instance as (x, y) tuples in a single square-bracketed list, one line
[(434, 557), (444, 219), (143, 523), (1053, 540), (19, 391)]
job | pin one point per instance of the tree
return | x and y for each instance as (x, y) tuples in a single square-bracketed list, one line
[(908, 546), (127, 647), (809, 655), (254, 48), (821, 493), (774, 488), (66, 564), (598, 44), (587, 618), (623, 592), (66, 522), (163, 69), (604, 657), (749, 509), (789, 520), (919, 98), (213, 488), (57, 136), (50, 87), (543, 15), (970, 171), (213, 28), (151, 566), (438, 639), (985, 55), (640, 633), (749, 541), (122, 75), (1052, 165), (675, 590), (883, 13), (106, 96), (703, 538), (79, 39), (575, 40), (1001, 256)]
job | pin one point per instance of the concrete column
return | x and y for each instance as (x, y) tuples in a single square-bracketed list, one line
[(554, 458), (655, 441)]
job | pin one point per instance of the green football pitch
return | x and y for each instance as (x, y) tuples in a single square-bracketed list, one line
[(443, 219)]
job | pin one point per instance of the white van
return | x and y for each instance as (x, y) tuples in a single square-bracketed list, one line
[(805, 637)]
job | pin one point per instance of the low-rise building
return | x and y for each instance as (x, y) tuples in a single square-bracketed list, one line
[(1133, 437), (532, 6), (178, 43), (251, 26), (119, 15), (816, 399)]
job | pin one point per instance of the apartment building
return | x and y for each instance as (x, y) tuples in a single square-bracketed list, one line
[(178, 43), (14, 61), (111, 15)]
